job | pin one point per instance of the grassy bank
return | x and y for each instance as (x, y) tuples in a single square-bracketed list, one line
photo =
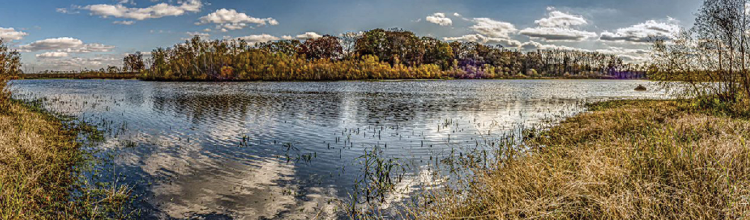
[(40, 167), (622, 160)]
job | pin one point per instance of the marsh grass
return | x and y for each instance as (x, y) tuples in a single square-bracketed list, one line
[(622, 160), (42, 168)]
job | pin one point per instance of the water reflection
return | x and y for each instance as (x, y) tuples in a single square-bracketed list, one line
[(291, 149)]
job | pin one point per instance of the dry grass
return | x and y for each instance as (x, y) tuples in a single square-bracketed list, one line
[(623, 160), (40, 170), (36, 160)]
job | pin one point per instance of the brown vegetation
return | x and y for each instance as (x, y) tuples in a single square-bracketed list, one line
[(41, 162), (624, 160)]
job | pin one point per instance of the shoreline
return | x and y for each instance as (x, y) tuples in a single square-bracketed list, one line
[(632, 159), (22, 77), (42, 168)]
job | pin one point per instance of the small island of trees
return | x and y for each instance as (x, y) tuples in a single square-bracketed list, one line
[(372, 55)]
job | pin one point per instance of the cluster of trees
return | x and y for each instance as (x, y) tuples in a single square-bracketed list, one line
[(375, 54), (131, 63), (711, 59), (10, 64)]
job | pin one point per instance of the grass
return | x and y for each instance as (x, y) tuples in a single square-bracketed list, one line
[(36, 159), (622, 160), (41, 169)]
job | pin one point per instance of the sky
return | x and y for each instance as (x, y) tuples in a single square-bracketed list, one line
[(92, 34)]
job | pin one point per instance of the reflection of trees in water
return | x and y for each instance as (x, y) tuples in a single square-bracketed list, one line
[(326, 108), (397, 108), (200, 108)]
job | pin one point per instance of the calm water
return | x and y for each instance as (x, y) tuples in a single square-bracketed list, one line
[(292, 149)]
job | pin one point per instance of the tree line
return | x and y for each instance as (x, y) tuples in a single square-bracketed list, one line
[(375, 54)]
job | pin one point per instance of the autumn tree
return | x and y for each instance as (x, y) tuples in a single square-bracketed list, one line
[(437, 52), (710, 59), (326, 47), (10, 65), (133, 62), (392, 46), (348, 42), (287, 47)]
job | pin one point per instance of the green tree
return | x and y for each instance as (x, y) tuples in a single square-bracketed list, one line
[(10, 65), (133, 62)]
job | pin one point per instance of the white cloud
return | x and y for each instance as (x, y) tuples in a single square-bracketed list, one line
[(132, 2), (93, 62), (308, 35), (52, 44), (89, 48), (440, 19), (492, 28), (457, 14), (66, 11), (644, 32), (621, 50), (230, 19), (560, 19), (532, 45), (155, 11), (259, 38), (124, 22), (78, 63), (49, 55), (64, 44), (287, 37), (11, 34), (628, 54), (557, 26), (506, 42), (199, 34), (557, 33), (272, 21)]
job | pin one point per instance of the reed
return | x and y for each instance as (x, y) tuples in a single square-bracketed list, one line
[(622, 160)]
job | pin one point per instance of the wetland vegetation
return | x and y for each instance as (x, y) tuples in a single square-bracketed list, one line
[(42, 162), (673, 159), (480, 149)]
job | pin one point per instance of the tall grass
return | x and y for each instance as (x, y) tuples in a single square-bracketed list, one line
[(42, 169), (624, 160), (42, 165)]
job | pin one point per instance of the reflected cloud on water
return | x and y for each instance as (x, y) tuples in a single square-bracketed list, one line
[(291, 149)]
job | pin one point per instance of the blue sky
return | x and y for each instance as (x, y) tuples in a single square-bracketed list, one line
[(72, 35)]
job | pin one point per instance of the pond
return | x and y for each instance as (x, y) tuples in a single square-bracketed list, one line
[(248, 150)]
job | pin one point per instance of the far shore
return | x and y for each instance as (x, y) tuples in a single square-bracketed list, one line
[(137, 76)]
